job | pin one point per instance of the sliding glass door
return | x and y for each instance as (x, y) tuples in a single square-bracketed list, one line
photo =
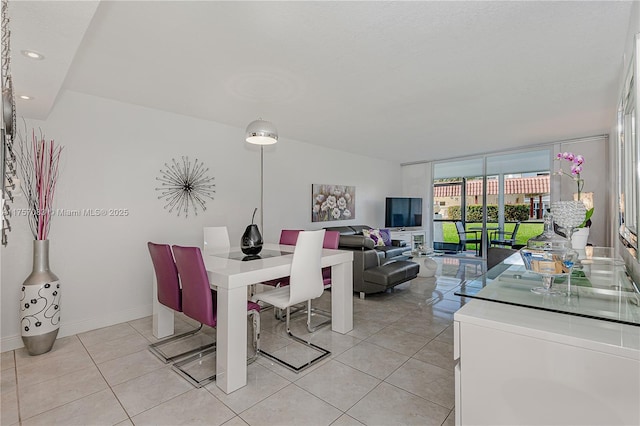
[(523, 181), (491, 196), (457, 188)]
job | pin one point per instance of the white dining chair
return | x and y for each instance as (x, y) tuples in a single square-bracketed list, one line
[(215, 238), (305, 283)]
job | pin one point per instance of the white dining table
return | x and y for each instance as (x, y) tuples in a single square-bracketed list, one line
[(230, 276)]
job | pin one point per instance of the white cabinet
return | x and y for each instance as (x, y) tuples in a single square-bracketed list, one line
[(519, 365), (412, 238)]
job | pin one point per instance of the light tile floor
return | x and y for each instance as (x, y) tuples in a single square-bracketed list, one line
[(395, 367)]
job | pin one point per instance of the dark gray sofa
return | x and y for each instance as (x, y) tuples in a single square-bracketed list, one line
[(353, 235), (375, 268)]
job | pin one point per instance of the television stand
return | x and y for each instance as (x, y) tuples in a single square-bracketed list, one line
[(413, 238)]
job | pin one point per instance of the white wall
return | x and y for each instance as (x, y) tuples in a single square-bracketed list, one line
[(112, 155), (416, 182)]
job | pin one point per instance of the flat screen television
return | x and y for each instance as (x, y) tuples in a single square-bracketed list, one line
[(403, 212)]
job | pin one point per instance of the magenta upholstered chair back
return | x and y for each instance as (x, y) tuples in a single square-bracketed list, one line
[(169, 293), (331, 241), (198, 301), (289, 236)]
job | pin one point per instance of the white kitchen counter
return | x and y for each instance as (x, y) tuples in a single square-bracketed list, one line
[(529, 366)]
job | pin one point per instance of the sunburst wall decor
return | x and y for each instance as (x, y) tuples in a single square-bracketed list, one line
[(185, 186)]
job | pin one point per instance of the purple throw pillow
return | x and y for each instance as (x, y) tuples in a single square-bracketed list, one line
[(374, 234), (386, 236)]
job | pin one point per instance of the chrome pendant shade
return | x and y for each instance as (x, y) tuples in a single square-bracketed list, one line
[(261, 132)]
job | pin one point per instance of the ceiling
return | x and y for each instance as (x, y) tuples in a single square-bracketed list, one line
[(406, 81)]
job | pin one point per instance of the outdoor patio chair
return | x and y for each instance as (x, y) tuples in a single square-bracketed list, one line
[(504, 238), (468, 237)]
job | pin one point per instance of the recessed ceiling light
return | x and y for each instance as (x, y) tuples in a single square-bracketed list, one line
[(26, 97), (32, 54)]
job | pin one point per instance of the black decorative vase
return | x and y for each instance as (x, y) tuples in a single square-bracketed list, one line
[(251, 242)]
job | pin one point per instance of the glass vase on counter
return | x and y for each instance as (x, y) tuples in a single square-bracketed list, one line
[(549, 255)]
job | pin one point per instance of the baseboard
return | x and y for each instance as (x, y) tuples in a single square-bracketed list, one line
[(68, 329), (11, 343)]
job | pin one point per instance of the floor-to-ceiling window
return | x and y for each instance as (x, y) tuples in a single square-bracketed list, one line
[(490, 195), (456, 186)]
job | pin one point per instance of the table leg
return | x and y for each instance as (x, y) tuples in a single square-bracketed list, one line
[(342, 297), (231, 332), (162, 316)]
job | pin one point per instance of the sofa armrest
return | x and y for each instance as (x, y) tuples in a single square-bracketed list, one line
[(398, 243)]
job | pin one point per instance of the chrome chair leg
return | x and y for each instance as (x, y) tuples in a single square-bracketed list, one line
[(281, 317), (155, 348), (310, 311), (179, 367), (323, 352)]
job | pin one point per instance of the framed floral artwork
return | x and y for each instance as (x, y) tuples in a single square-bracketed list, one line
[(332, 202)]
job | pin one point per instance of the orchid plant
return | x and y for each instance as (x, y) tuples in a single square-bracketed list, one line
[(577, 162)]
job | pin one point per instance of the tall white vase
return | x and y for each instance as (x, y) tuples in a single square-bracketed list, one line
[(579, 238), (40, 303)]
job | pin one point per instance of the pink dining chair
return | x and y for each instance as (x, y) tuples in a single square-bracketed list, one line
[(170, 295), (287, 237), (199, 303)]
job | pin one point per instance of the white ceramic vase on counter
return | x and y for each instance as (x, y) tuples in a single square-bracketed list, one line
[(579, 238)]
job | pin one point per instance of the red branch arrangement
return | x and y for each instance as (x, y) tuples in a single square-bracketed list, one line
[(39, 173)]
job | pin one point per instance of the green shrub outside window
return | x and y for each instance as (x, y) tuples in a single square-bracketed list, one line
[(512, 213)]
